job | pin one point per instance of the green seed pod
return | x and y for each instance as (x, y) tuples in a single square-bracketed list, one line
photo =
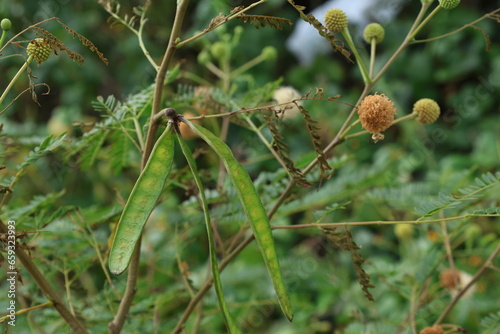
[(269, 53), (374, 30), (254, 210), (449, 4), (40, 49), (336, 20), (6, 24), (427, 111), (141, 202)]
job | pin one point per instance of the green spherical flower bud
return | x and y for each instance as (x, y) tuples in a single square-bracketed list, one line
[(472, 232), (404, 231), (203, 57), (427, 111), (374, 31), (220, 51), (336, 20), (6, 24), (449, 4), (40, 49), (269, 53)]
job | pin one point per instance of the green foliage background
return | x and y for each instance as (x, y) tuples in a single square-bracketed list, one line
[(73, 191)]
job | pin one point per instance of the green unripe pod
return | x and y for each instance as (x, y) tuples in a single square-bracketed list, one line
[(449, 4), (427, 111), (40, 49), (269, 53), (374, 31), (336, 20), (6, 24)]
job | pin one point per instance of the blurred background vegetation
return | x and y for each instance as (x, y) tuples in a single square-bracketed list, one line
[(383, 181)]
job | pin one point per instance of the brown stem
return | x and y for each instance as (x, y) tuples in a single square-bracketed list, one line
[(45, 286), (117, 324), (481, 270)]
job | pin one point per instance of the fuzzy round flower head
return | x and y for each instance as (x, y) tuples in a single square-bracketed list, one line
[(449, 4), (432, 330), (40, 50), (376, 113), (454, 280), (336, 20), (5, 24), (374, 30), (286, 94), (427, 111)]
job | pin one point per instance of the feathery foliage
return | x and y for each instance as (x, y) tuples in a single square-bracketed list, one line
[(345, 242), (313, 130), (471, 192), (282, 150)]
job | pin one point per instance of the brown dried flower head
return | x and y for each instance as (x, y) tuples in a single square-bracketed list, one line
[(450, 278), (432, 330), (376, 113)]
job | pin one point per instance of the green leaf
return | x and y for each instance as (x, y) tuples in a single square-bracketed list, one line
[(48, 145), (254, 211), (230, 323), (141, 202), (483, 183)]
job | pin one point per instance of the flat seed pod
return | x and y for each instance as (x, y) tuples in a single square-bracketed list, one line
[(254, 211), (230, 323), (141, 202)]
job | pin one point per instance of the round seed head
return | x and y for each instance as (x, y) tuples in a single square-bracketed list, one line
[(336, 20), (40, 50), (374, 30), (6, 24), (427, 111), (376, 113), (449, 4)]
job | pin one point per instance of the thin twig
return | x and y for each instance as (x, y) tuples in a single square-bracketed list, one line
[(117, 324), (457, 297), (45, 286)]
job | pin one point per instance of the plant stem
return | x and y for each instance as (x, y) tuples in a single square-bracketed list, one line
[(372, 55), (359, 60), (117, 324), (227, 18), (456, 30), (2, 39), (403, 45), (14, 79), (248, 65), (45, 286), (478, 274), (424, 22)]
